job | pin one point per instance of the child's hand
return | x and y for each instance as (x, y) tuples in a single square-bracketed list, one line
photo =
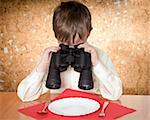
[(90, 49), (46, 57)]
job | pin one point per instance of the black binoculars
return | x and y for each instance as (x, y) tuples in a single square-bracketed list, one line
[(78, 59)]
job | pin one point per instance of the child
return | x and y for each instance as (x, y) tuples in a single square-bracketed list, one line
[(72, 26)]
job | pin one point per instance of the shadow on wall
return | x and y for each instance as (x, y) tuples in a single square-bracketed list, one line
[(120, 28)]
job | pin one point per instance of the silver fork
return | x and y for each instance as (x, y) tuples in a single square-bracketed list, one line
[(102, 113), (43, 111)]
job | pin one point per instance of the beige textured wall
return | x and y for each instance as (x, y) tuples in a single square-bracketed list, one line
[(121, 28)]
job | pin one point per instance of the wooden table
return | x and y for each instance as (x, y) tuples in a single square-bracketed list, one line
[(9, 103)]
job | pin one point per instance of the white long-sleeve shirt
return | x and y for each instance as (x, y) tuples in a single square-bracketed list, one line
[(106, 81)]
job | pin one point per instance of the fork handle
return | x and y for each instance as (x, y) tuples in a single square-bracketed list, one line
[(105, 105), (46, 105)]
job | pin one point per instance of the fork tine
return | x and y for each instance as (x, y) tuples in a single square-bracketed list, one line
[(102, 114)]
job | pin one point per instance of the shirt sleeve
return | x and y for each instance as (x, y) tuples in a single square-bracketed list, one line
[(32, 86), (110, 83)]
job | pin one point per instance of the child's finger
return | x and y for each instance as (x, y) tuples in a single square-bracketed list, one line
[(86, 47), (87, 50), (52, 49), (82, 45)]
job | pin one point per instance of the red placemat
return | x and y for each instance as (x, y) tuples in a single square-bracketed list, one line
[(113, 110)]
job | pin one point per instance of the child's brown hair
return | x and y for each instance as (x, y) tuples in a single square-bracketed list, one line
[(71, 22)]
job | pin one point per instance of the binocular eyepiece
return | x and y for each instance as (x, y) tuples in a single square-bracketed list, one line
[(78, 59)]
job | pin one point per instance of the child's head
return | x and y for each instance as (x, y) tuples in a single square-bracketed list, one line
[(72, 23)]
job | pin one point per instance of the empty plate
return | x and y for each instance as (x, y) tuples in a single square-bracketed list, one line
[(75, 106)]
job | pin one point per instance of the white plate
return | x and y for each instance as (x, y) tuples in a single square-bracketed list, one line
[(74, 106)]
